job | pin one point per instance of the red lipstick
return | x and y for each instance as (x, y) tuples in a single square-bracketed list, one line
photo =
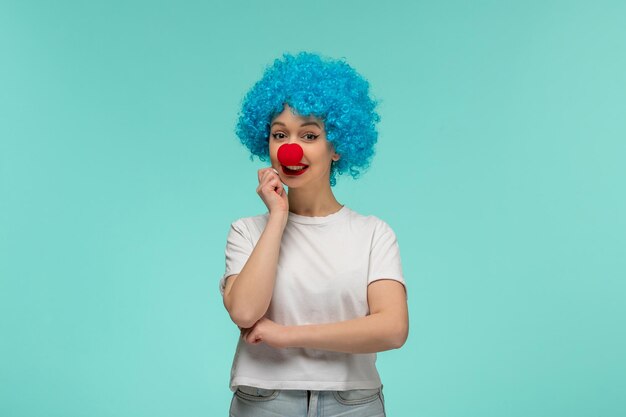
[(293, 172)]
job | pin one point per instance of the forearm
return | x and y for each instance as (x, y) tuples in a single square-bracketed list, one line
[(251, 292), (373, 333)]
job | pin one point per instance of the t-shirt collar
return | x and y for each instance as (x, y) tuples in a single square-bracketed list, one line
[(298, 218)]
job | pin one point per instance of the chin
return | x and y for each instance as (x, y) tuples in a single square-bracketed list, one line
[(292, 183)]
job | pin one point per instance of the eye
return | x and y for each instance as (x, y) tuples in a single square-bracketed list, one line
[(311, 136), (276, 135)]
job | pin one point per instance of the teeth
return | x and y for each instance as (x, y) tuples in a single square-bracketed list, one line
[(295, 168)]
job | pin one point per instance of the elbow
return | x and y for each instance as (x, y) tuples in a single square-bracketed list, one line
[(244, 322), (244, 318), (399, 336), (241, 316)]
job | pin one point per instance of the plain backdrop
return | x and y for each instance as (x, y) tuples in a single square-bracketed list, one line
[(500, 165)]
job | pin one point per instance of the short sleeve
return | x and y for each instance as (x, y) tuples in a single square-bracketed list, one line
[(384, 262), (238, 250)]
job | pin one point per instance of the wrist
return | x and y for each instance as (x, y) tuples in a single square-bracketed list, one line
[(289, 337), (279, 218)]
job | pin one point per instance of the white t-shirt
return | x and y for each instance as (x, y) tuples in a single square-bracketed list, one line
[(324, 267)]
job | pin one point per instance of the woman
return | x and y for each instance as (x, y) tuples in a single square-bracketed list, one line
[(315, 288)]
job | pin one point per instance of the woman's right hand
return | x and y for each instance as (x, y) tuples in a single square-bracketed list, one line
[(271, 191)]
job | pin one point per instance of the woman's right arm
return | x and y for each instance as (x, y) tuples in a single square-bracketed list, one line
[(247, 295)]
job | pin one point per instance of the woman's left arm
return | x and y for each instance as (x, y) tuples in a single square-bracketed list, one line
[(385, 328)]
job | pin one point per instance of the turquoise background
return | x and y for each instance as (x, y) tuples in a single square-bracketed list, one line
[(500, 165)]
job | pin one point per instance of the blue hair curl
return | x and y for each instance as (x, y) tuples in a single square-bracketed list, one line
[(325, 88)]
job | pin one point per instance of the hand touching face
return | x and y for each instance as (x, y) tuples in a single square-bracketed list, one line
[(271, 191)]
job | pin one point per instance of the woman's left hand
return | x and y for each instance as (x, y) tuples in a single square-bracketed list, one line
[(266, 331)]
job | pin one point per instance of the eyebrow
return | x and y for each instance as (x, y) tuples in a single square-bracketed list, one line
[(303, 124)]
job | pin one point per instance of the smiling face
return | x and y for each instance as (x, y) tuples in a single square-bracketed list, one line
[(309, 134)]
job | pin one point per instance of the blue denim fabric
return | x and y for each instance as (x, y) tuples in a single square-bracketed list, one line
[(258, 402)]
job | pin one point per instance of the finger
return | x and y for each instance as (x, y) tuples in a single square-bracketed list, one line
[(277, 174), (266, 174), (275, 183), (270, 180), (260, 173), (274, 180), (254, 338)]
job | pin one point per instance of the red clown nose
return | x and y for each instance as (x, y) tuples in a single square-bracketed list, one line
[(290, 154)]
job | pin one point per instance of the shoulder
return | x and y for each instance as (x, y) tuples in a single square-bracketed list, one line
[(370, 221), (250, 225)]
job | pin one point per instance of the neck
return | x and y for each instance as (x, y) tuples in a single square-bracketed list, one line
[(313, 203)]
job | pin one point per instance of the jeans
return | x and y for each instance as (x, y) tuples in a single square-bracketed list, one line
[(259, 402)]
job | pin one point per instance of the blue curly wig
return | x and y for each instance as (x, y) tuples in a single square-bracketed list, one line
[(325, 88)]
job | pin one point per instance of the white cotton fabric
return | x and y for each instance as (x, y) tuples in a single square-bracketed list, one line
[(324, 267)]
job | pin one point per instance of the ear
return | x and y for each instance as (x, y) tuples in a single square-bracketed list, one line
[(336, 157)]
